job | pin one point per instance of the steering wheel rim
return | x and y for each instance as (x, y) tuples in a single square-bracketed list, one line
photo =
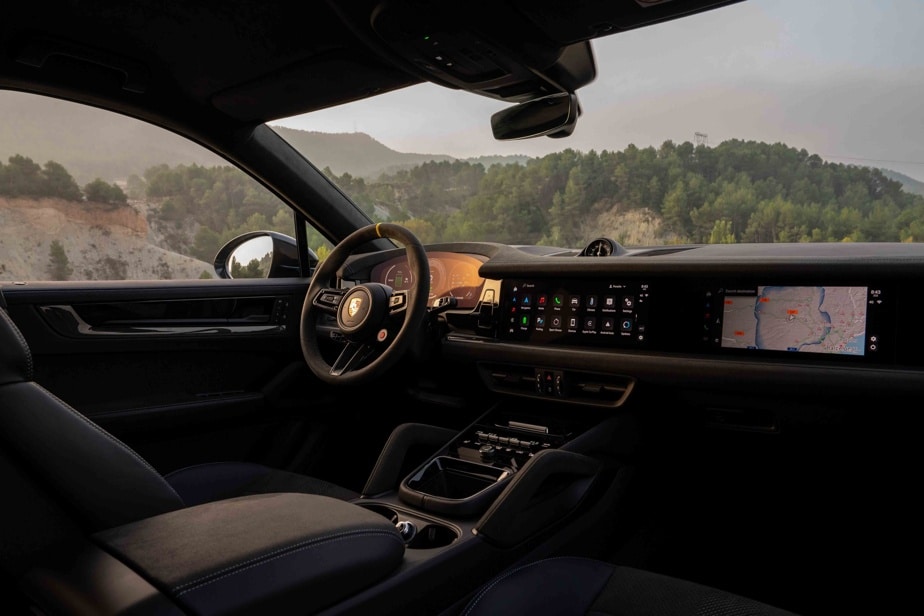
[(365, 311)]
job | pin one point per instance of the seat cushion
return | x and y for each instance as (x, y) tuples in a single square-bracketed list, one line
[(570, 586), (205, 483)]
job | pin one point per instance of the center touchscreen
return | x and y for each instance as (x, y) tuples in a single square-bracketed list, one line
[(594, 313), (810, 319)]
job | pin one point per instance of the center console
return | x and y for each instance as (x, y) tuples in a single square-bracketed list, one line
[(468, 473), (422, 535), (507, 476)]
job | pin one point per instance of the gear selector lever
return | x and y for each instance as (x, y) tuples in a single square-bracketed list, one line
[(407, 530)]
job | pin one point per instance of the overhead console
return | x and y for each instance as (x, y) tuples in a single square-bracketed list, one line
[(444, 43)]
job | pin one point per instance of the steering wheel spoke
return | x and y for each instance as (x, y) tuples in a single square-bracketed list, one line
[(328, 300), (351, 358)]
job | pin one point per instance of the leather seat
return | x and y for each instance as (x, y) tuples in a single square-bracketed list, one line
[(571, 586), (100, 478)]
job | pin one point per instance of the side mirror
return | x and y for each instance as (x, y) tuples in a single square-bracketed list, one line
[(259, 254), (552, 116)]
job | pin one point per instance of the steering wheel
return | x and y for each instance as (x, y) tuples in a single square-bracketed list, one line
[(377, 323)]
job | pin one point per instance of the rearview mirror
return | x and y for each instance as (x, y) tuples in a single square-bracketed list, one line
[(552, 116)]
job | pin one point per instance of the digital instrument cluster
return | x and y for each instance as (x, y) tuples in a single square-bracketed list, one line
[(451, 275)]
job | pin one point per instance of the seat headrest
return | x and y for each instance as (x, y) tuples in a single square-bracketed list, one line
[(15, 356)]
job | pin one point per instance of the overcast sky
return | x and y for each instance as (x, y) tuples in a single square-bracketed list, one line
[(841, 78)]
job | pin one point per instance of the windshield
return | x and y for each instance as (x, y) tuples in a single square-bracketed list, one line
[(764, 121)]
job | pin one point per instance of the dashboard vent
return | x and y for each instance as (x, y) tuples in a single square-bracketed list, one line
[(572, 386)]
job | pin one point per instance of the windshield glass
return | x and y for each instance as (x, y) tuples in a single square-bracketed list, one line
[(764, 121)]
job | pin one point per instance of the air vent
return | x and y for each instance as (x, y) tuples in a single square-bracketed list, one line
[(575, 387)]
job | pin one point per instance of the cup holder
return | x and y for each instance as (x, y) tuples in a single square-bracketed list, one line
[(432, 536), (382, 510), (428, 535)]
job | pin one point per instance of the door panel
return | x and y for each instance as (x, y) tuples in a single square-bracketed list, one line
[(184, 372)]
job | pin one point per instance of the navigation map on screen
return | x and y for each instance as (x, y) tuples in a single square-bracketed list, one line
[(789, 318)]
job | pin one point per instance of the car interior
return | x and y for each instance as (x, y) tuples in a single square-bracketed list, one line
[(458, 427)]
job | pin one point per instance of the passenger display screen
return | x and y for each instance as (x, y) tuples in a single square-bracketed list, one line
[(804, 319)]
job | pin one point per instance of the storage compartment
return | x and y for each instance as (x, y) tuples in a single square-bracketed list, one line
[(289, 549), (455, 479), (451, 486)]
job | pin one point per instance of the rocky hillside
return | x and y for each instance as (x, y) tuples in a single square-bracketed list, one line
[(100, 242)]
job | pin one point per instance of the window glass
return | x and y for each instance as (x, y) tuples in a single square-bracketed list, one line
[(762, 121), (86, 194)]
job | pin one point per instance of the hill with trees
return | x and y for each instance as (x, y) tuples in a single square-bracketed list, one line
[(738, 191)]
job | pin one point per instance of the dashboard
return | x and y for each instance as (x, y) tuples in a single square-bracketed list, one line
[(838, 322)]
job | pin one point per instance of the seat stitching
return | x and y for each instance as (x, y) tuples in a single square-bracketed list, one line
[(274, 555), (113, 439)]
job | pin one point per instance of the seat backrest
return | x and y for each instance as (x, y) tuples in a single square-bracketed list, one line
[(93, 473)]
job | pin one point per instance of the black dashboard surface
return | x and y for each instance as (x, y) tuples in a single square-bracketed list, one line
[(842, 318)]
